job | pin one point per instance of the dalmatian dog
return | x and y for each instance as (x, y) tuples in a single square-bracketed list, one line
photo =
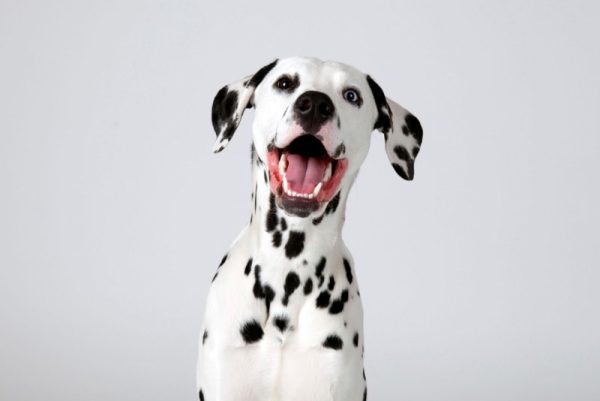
[(283, 319)]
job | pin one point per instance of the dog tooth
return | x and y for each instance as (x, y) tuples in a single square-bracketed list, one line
[(327, 174), (282, 161), (317, 189), (286, 187)]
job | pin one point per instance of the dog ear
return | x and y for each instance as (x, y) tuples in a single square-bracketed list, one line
[(231, 102), (402, 131)]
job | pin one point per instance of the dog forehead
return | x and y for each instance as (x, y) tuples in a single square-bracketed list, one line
[(319, 73)]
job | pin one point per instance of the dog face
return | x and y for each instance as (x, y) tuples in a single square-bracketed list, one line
[(312, 127)]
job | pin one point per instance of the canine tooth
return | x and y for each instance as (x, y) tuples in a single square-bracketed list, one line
[(286, 186), (282, 161), (327, 174), (317, 189)]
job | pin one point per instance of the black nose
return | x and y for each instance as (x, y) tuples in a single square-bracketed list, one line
[(312, 110)]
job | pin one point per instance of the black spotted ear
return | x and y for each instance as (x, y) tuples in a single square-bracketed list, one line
[(231, 102), (402, 131)]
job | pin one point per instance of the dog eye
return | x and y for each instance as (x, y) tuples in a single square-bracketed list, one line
[(286, 83), (352, 96)]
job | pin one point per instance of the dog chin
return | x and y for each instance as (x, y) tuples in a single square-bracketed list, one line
[(303, 176)]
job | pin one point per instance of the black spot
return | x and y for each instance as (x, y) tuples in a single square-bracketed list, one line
[(223, 260), (415, 151), (400, 171), (269, 296), (405, 130), (262, 291), (204, 336), (248, 267), (333, 341), (261, 74), (337, 306), (258, 288), (329, 209), (308, 286), (364, 376), (292, 281), (323, 299), (365, 395), (201, 395), (402, 153), (384, 117), (414, 126), (295, 244), (333, 204), (348, 270), (331, 284), (283, 224), (251, 331), (215, 277), (355, 339), (339, 150), (271, 222), (276, 239), (265, 176), (223, 108), (320, 266), (321, 281), (281, 322)]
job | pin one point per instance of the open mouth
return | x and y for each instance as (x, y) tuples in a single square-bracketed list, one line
[(303, 175)]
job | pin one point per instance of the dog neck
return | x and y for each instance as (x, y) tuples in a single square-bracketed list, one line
[(273, 229)]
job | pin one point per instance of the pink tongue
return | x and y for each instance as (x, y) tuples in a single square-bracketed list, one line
[(304, 173)]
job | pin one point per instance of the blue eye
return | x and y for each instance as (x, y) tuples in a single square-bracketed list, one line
[(352, 96)]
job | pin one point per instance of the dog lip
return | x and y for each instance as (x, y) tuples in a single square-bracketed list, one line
[(297, 206)]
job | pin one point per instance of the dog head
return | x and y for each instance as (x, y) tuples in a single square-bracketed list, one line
[(312, 127)]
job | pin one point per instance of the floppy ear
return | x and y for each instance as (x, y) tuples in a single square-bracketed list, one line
[(402, 131), (231, 102)]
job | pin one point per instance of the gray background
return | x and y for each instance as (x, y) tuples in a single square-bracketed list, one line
[(480, 279)]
